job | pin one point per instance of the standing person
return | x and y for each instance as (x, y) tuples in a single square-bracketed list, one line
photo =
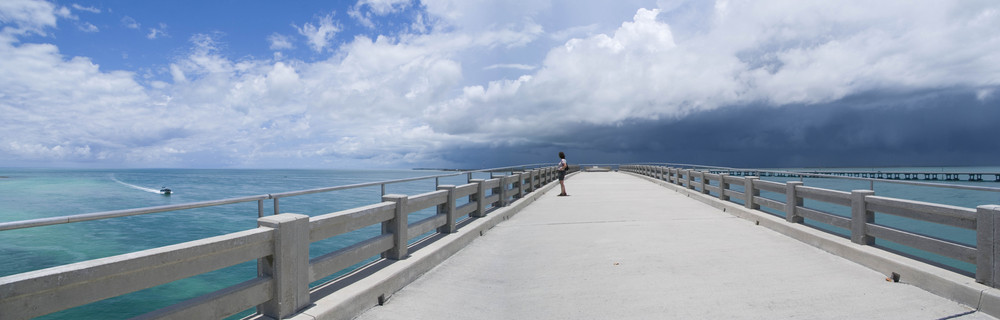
[(563, 167)]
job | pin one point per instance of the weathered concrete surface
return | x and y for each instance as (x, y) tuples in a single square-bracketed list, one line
[(621, 248)]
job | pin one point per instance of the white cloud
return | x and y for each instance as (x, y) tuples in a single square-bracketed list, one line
[(88, 9), (160, 31), (29, 16), (130, 22), (364, 10), (384, 7), (319, 37), (88, 27), (511, 66), (280, 42), (406, 97), (752, 52)]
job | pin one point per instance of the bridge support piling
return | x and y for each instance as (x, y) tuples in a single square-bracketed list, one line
[(987, 249), (397, 227), (861, 217), (792, 201), (288, 266)]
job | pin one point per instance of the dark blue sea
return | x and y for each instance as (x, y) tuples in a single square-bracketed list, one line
[(38, 193)]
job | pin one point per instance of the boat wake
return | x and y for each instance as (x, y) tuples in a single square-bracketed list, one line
[(134, 186)]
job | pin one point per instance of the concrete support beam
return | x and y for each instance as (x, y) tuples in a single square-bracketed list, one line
[(792, 200), (988, 251), (397, 227), (860, 217), (288, 266)]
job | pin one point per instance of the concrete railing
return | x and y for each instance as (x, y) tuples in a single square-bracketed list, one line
[(280, 244), (984, 220)]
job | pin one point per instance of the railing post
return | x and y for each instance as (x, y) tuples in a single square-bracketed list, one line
[(397, 227), (723, 186), (861, 217), (288, 266), (502, 192), (987, 250), (531, 181), (521, 188), (704, 184), (479, 197), (448, 208), (791, 201), (750, 191), (536, 179), (260, 208), (687, 179)]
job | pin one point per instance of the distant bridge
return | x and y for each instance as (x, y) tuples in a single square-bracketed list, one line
[(888, 175)]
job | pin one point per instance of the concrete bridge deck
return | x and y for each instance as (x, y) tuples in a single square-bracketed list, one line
[(620, 248)]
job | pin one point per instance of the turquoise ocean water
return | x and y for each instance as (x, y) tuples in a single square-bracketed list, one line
[(38, 193)]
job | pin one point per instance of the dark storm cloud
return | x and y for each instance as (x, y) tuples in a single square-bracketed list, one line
[(938, 128)]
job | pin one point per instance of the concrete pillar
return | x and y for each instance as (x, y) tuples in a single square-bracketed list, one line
[(687, 179), (479, 197), (723, 186), (791, 201), (448, 208), (750, 192), (860, 216), (518, 185), (704, 183), (536, 179), (288, 266), (987, 249), (397, 227), (502, 192)]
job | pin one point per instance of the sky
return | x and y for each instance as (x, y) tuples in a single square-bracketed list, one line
[(487, 83)]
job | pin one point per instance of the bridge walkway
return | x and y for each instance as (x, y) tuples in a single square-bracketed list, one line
[(621, 247)]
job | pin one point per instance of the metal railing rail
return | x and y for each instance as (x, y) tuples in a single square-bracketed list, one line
[(817, 175), (259, 198)]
